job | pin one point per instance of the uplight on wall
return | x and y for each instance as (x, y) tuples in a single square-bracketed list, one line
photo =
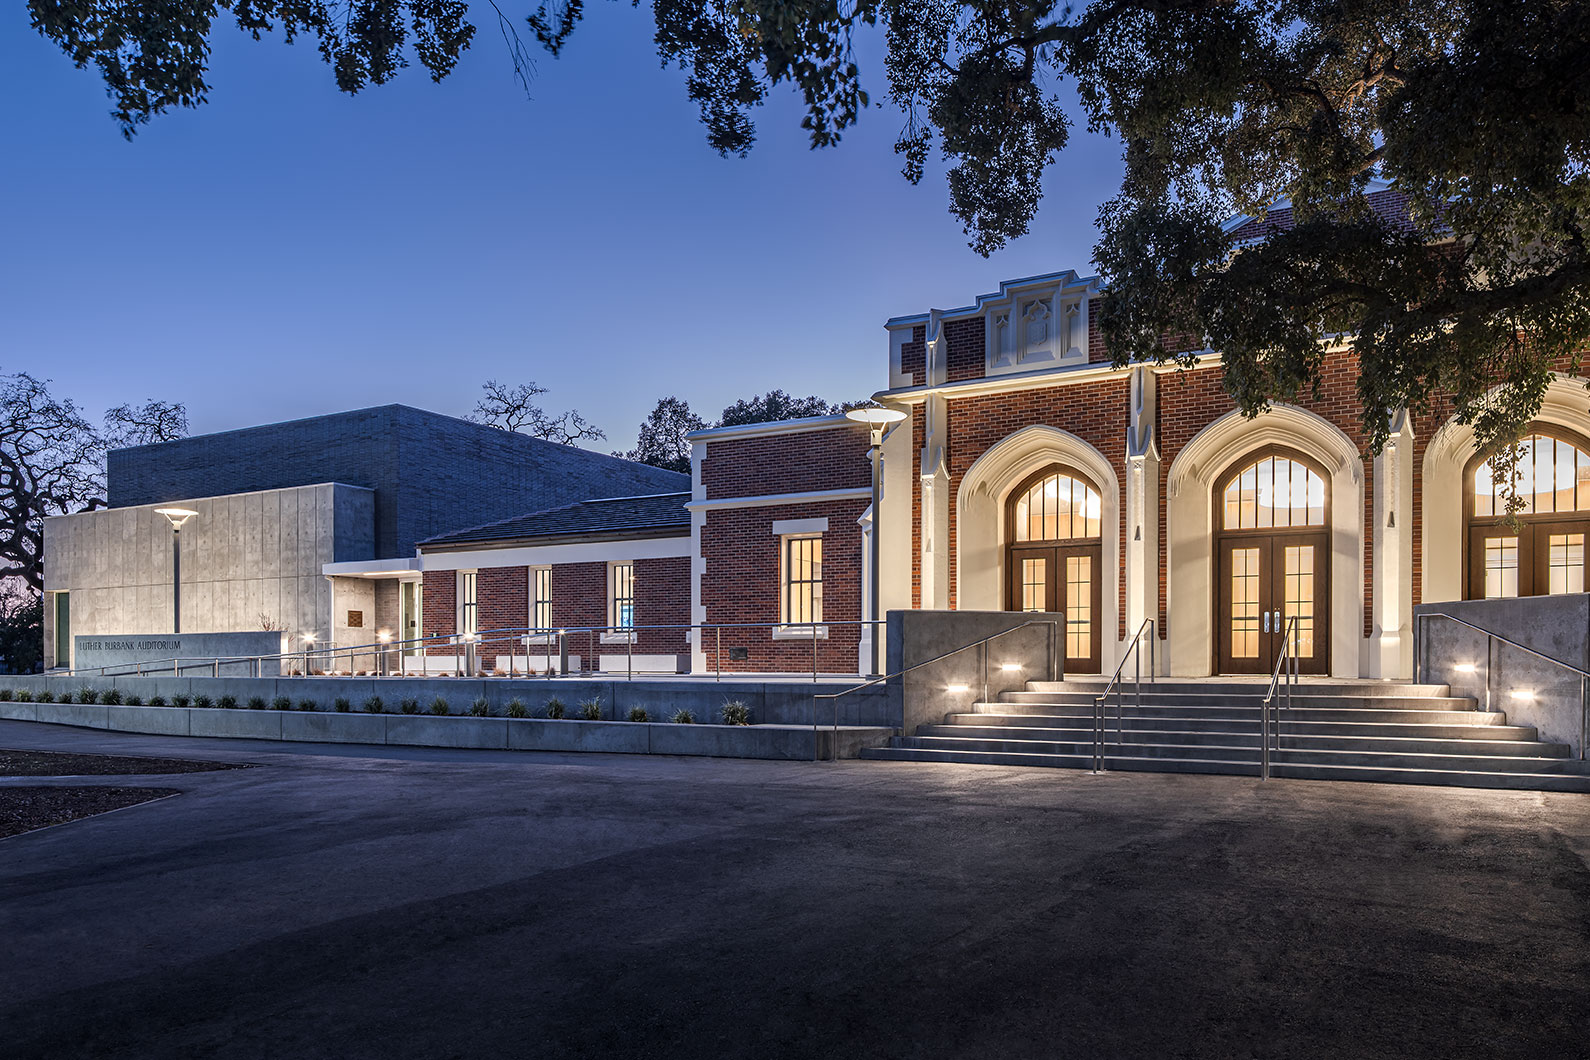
[(1010, 668), (1466, 668), (1523, 695), (957, 689)]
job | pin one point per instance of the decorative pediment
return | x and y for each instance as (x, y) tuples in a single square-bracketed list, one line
[(1037, 324)]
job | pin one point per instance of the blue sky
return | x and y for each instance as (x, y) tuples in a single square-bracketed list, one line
[(287, 250)]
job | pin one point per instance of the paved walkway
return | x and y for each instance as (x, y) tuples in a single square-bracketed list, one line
[(378, 902)]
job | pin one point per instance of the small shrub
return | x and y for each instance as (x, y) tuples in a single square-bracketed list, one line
[(25, 696), (204, 702), (281, 703), (256, 702), (554, 708), (181, 701), (46, 697), (591, 709), (87, 695), (638, 714), (374, 705), (112, 697), (735, 712), (683, 717), (5, 695), (307, 706), (341, 705), (409, 706), (135, 701), (157, 701), (227, 702), (480, 708), (517, 709), (439, 706)]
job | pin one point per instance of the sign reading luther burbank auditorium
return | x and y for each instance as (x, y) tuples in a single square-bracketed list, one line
[(180, 653)]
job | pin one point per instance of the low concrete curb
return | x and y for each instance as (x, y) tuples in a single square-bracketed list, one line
[(786, 742)]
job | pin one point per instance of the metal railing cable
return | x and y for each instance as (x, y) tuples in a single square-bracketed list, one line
[(983, 643), (1133, 652), (1491, 638), (1285, 663), (394, 657)]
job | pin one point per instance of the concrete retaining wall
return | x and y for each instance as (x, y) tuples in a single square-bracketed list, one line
[(770, 702), (955, 683), (790, 742), (1531, 690)]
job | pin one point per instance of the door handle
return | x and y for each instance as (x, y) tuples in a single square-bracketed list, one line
[(1266, 626)]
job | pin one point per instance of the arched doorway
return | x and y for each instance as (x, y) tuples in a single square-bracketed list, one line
[(1054, 557), (1542, 551), (1272, 549)]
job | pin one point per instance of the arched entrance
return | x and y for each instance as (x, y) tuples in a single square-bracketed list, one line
[(1272, 554), (1541, 551), (1054, 557)]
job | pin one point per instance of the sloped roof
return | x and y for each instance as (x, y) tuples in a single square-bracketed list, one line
[(646, 516)]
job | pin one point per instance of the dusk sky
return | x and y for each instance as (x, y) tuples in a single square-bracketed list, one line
[(287, 250)]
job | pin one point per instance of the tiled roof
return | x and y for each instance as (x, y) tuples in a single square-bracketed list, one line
[(612, 516)]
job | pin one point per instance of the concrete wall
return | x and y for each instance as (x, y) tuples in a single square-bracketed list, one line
[(799, 743), (955, 683), (248, 560), (770, 702), (431, 473), (1531, 690)]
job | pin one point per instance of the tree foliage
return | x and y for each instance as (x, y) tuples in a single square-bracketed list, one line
[(776, 405), (514, 408), (662, 436), (21, 629), (52, 462), (1474, 289)]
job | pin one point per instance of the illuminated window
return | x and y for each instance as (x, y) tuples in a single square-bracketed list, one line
[(621, 586), (1501, 567), (1274, 492), (1057, 508), (1551, 476), (1299, 591), (801, 563), (1079, 607), (1565, 563), (1245, 603), (1034, 585), (468, 603), (541, 598)]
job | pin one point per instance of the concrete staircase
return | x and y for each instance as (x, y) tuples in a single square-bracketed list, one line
[(1335, 730)]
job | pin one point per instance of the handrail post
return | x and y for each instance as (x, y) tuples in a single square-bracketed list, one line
[(717, 654), (1490, 653), (814, 653)]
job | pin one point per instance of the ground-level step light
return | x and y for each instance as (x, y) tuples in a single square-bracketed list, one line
[(176, 517)]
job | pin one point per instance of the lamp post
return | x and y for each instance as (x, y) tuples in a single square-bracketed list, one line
[(876, 418), (176, 517), (309, 644), (385, 637)]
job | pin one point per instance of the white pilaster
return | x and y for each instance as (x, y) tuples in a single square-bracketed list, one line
[(1142, 508), (1389, 650)]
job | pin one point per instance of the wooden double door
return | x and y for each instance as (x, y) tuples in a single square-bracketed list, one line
[(1263, 581), (1062, 578), (1532, 558)]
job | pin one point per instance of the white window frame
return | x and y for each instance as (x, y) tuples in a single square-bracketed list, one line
[(467, 611), (614, 636), (535, 599), (786, 630)]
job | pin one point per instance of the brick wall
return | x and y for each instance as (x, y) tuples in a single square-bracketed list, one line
[(797, 462), (741, 584), (913, 356), (579, 601)]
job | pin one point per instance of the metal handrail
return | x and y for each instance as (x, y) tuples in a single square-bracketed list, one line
[(836, 696), (1285, 655), (1133, 651), (467, 644), (1423, 666)]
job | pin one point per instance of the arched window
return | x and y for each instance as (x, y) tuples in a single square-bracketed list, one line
[(1057, 507), (1273, 492), (1540, 549), (1552, 477)]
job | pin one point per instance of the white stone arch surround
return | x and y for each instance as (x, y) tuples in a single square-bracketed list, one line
[(980, 514), (1450, 449), (1190, 530)]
